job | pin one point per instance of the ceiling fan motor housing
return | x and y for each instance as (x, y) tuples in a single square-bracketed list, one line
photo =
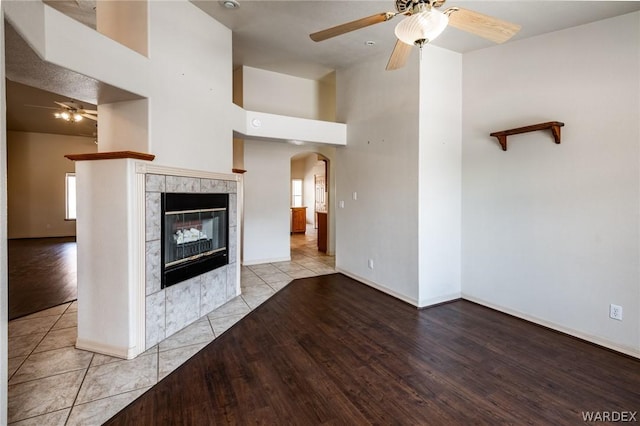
[(404, 6)]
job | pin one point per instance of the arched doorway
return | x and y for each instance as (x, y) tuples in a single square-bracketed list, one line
[(310, 208)]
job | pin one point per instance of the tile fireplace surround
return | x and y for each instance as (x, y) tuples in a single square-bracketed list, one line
[(122, 309), (171, 309)]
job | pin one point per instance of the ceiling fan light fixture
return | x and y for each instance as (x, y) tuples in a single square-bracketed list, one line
[(70, 116), (422, 27)]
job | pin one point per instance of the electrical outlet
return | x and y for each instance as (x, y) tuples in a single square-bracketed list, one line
[(370, 263), (615, 312), (355, 195)]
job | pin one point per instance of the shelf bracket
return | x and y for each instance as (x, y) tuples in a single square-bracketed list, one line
[(553, 125)]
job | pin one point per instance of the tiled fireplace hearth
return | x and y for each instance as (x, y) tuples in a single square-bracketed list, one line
[(170, 309)]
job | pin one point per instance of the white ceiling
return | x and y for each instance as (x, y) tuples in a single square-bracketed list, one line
[(274, 35)]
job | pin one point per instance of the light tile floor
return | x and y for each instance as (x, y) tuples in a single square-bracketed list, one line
[(52, 383)]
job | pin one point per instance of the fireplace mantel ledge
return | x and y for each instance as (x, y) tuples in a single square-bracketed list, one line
[(148, 168), (114, 155)]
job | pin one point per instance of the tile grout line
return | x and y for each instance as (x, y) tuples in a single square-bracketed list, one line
[(54, 375), (37, 415), (73, 404), (211, 327), (157, 364), (36, 346), (50, 376)]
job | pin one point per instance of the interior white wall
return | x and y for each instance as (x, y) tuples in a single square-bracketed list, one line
[(297, 166), (61, 40), (238, 95), (261, 125), (440, 122), (267, 199), (551, 232), (36, 191), (276, 93), (108, 223), (379, 165), (4, 308), (190, 123), (124, 22), (327, 97), (266, 202), (124, 126)]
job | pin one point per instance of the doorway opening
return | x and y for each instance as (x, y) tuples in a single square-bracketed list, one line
[(309, 193)]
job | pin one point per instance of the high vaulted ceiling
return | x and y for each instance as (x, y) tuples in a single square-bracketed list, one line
[(274, 35)]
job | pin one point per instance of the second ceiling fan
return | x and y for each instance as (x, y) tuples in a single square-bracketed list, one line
[(423, 22), (72, 111)]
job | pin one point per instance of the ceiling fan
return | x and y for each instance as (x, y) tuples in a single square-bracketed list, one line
[(423, 22), (70, 111)]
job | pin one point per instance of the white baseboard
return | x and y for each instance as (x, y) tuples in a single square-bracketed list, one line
[(118, 352), (406, 299), (438, 300), (628, 350), (263, 261)]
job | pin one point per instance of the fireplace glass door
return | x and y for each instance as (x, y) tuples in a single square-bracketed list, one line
[(192, 234)]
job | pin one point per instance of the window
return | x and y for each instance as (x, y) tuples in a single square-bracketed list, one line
[(70, 183), (296, 193)]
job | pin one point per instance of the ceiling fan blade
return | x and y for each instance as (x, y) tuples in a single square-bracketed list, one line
[(40, 106), (90, 117), (90, 111), (485, 26), (399, 55), (62, 105), (351, 26)]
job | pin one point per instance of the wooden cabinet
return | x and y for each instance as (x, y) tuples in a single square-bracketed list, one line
[(322, 231), (298, 219)]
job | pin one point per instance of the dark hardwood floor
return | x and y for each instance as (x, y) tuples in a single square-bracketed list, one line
[(329, 350), (42, 274)]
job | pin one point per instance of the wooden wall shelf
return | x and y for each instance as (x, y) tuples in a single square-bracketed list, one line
[(553, 125)]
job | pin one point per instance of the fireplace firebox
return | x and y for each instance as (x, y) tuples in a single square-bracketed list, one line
[(194, 235)]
